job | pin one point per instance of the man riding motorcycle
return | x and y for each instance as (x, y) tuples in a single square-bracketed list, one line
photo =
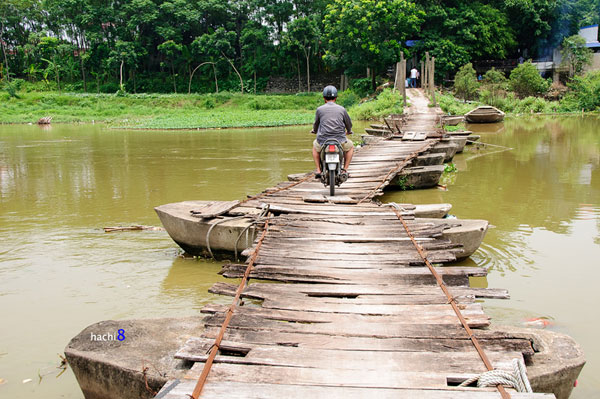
[(332, 122)]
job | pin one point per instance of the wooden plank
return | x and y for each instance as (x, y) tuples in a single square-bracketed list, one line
[(328, 359), (246, 390), (323, 377), (214, 209), (332, 342), (407, 314), (324, 291)]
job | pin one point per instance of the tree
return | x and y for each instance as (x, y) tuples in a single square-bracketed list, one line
[(172, 51), (525, 80), (218, 44), (368, 33), (465, 82), (531, 20), (303, 34), (575, 55), (449, 56), (257, 50), (458, 32), (494, 82), (123, 54)]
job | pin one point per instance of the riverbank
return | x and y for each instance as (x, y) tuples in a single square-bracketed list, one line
[(184, 111)]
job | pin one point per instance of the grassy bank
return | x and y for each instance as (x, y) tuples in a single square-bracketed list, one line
[(581, 94), (161, 111), (183, 111)]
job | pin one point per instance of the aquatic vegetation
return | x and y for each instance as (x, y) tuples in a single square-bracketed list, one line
[(450, 167)]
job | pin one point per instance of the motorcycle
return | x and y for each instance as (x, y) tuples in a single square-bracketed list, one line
[(332, 160)]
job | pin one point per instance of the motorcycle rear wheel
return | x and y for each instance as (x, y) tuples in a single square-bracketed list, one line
[(332, 182)]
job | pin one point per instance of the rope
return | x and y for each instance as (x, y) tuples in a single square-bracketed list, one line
[(451, 300), (517, 378), (257, 219), (214, 349), (488, 144), (396, 169), (308, 177), (245, 216), (212, 226)]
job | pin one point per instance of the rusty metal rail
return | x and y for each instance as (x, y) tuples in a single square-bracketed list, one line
[(451, 300), (214, 349), (395, 169)]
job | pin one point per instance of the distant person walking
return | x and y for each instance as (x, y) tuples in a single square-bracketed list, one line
[(414, 74)]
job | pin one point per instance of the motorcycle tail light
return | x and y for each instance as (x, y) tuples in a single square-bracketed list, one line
[(331, 148)]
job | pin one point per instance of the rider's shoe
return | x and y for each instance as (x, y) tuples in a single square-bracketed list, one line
[(344, 175), (317, 175)]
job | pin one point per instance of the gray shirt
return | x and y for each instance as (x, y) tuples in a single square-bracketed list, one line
[(331, 122)]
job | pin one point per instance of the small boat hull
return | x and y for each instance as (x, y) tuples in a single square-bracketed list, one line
[(484, 114), (191, 233)]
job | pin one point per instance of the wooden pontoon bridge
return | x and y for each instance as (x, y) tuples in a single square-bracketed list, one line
[(360, 306)]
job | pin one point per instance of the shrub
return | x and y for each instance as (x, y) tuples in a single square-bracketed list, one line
[(13, 86), (525, 80), (387, 102), (584, 93), (348, 98), (494, 86), (362, 86), (452, 106), (465, 82)]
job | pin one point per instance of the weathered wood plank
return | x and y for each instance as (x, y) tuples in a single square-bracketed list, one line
[(325, 291), (214, 209), (406, 314), (493, 343), (320, 358), (246, 390)]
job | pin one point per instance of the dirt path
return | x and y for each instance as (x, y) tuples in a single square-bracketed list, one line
[(420, 103)]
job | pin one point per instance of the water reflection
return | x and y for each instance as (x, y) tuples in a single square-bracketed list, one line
[(59, 270), (477, 128)]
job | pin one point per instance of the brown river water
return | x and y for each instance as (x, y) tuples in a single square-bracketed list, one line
[(60, 272)]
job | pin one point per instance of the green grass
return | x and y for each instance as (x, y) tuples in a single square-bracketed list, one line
[(453, 106), (387, 102), (162, 111), (183, 111)]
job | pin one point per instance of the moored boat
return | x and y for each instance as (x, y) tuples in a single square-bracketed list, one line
[(452, 120), (484, 114), (230, 233)]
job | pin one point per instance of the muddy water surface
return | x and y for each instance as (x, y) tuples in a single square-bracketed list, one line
[(59, 271)]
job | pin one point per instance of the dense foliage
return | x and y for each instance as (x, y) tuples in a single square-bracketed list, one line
[(465, 82), (525, 80), (225, 45)]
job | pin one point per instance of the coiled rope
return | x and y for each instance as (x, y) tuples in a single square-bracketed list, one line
[(515, 378)]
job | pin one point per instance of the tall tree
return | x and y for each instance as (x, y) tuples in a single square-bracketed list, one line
[(575, 55), (368, 33), (257, 50), (303, 35), (218, 44)]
